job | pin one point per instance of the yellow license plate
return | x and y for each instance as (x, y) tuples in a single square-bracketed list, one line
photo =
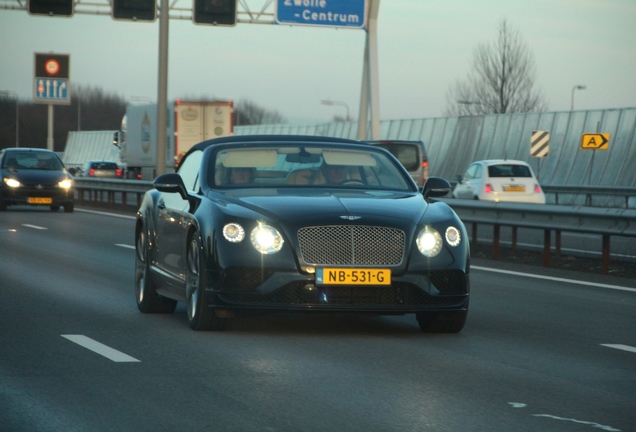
[(38, 200), (514, 188), (353, 276)]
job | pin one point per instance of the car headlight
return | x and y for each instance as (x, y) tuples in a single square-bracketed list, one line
[(67, 183), (233, 232), (429, 242), (12, 182), (453, 236), (266, 239)]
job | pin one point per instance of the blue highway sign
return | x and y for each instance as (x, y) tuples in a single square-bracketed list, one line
[(328, 13), (52, 90)]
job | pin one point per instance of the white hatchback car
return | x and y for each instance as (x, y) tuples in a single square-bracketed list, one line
[(500, 181)]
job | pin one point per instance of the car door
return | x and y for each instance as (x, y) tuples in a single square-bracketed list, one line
[(173, 223)]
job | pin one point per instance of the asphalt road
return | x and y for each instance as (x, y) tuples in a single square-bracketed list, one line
[(543, 350)]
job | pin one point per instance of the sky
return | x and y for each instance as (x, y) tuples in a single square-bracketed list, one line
[(424, 48)]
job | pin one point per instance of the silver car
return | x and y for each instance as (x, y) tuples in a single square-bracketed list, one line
[(101, 169)]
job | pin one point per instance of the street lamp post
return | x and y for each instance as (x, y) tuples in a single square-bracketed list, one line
[(576, 87), (340, 103), (17, 114)]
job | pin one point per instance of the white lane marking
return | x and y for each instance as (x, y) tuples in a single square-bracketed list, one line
[(621, 347), (595, 425), (106, 213), (34, 226), (124, 246), (101, 349), (555, 279), (553, 417)]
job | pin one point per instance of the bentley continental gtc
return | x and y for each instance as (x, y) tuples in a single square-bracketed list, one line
[(299, 224)]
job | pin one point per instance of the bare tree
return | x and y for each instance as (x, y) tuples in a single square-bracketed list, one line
[(96, 108), (248, 113), (501, 81), (91, 108)]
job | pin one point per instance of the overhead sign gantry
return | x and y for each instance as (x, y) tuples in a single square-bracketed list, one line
[(360, 14)]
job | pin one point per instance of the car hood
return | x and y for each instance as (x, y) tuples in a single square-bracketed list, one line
[(336, 206), (33, 176)]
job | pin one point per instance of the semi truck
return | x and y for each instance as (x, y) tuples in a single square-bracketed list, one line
[(188, 124)]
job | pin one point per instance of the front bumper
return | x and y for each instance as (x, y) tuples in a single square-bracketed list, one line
[(245, 288), (33, 196)]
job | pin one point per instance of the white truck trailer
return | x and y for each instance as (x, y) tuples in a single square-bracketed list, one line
[(82, 146), (188, 123)]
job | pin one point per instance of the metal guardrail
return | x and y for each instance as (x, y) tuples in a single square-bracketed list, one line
[(549, 217), (111, 192), (587, 193)]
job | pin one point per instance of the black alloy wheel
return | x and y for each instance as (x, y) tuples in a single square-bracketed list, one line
[(148, 301), (200, 315)]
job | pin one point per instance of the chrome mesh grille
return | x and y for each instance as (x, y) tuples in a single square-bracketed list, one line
[(351, 245)]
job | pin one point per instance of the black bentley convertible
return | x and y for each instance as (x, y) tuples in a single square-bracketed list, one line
[(257, 224)]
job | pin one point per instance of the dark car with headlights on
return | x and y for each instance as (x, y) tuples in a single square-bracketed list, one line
[(33, 176), (257, 224)]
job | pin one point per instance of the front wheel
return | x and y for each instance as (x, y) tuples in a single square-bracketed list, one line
[(200, 315), (148, 300)]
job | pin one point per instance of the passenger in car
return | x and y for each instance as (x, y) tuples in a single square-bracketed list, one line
[(241, 175), (327, 174), (11, 163)]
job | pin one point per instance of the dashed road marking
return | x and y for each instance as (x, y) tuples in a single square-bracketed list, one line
[(34, 227), (123, 216), (101, 349), (621, 347)]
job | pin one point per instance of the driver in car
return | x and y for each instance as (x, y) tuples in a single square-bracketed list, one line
[(334, 174)]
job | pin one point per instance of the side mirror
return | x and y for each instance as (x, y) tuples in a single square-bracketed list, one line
[(436, 187), (171, 183), (116, 139)]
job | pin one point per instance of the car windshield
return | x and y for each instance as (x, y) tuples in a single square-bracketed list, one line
[(310, 165), (104, 166), (32, 160), (509, 170)]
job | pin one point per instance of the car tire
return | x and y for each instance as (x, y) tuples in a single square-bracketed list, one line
[(68, 208), (441, 322), (200, 315), (148, 300)]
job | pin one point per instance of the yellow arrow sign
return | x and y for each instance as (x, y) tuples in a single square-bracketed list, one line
[(595, 141)]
